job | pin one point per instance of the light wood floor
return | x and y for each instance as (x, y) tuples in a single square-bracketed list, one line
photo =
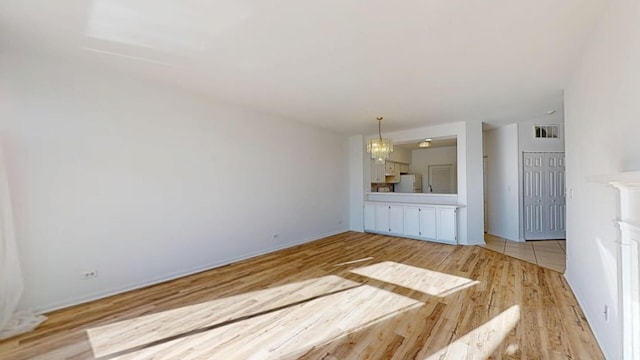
[(350, 296)]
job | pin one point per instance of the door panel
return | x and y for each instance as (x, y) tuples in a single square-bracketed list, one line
[(543, 191), (428, 223), (556, 200), (533, 220), (447, 225), (382, 218), (533, 194), (396, 220), (412, 221)]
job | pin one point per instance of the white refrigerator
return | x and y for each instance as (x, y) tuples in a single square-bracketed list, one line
[(409, 184)]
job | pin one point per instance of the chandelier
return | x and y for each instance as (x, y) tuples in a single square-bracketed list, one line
[(379, 148)]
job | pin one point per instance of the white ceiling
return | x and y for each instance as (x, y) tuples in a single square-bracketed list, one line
[(336, 64)]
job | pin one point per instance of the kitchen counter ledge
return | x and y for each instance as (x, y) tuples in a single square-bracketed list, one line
[(413, 198)]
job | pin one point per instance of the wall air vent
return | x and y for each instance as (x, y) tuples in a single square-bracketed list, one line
[(545, 131)]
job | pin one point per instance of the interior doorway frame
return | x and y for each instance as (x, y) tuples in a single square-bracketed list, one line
[(485, 194)]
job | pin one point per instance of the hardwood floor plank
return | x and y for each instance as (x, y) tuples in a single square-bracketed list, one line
[(349, 296)]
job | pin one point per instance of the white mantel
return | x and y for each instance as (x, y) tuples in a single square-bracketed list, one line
[(627, 177), (628, 185)]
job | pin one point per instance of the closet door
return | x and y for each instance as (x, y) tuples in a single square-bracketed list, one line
[(543, 191), (555, 201)]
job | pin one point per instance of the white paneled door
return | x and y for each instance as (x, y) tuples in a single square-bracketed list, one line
[(441, 178), (544, 191)]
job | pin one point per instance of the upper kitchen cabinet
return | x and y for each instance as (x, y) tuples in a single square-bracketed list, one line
[(392, 173), (377, 172), (385, 173), (389, 168)]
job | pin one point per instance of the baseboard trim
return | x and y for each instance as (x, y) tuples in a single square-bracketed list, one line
[(175, 275), (587, 314)]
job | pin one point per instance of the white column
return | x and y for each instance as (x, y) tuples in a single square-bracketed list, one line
[(356, 183), (628, 185)]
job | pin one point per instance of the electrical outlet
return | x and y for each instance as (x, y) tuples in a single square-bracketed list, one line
[(275, 236), (606, 313), (90, 275)]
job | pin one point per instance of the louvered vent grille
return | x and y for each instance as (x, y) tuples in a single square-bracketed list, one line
[(546, 131)]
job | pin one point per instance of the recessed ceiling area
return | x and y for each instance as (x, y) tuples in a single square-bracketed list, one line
[(333, 64), (435, 143)]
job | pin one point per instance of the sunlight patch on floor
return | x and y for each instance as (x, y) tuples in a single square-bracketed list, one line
[(291, 318), (114, 338), (482, 341), (419, 279), (289, 332)]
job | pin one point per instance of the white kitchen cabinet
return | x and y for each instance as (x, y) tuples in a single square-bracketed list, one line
[(428, 222), (396, 223), (382, 218), (389, 168), (392, 172), (369, 217), (387, 172), (418, 221), (377, 172), (412, 221), (446, 225), (404, 168)]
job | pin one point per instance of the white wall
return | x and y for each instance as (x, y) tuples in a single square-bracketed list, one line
[(421, 159), (474, 181), (400, 155), (501, 149), (143, 182), (528, 142), (602, 120)]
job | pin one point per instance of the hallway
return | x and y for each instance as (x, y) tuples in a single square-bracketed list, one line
[(550, 254)]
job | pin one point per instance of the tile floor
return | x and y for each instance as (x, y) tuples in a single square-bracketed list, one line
[(550, 254)]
